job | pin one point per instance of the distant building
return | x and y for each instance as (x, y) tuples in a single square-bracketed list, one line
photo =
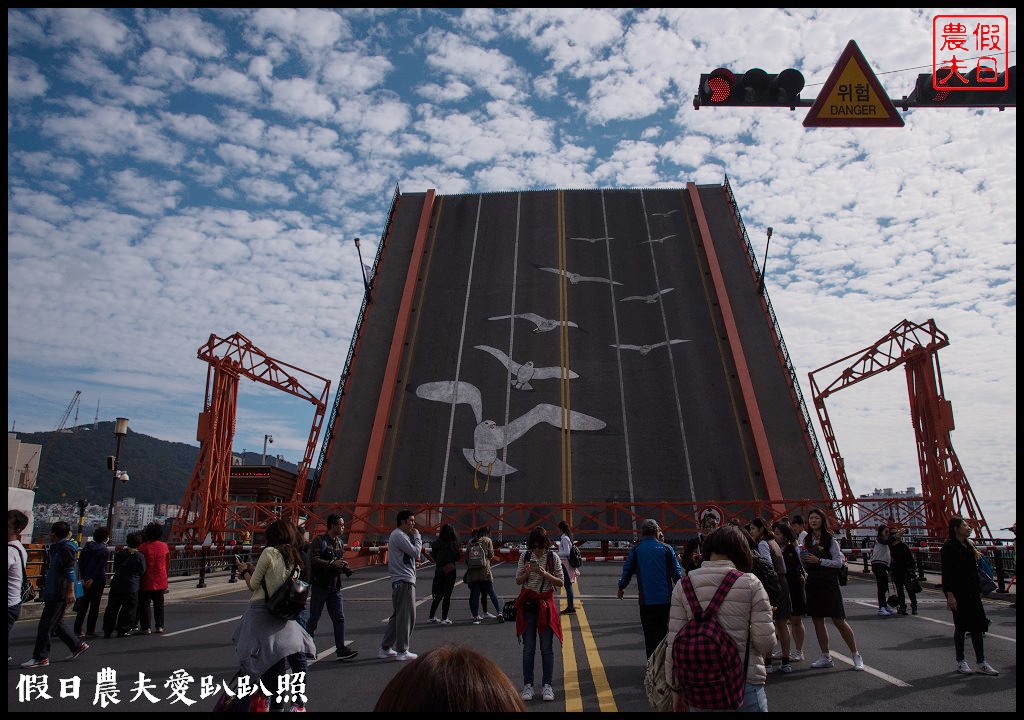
[(129, 517), (905, 514)]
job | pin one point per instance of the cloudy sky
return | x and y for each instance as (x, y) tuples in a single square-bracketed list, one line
[(177, 173)]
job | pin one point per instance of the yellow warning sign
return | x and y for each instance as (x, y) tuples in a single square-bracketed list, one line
[(852, 96)]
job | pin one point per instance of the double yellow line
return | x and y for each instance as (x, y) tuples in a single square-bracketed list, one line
[(602, 688), (563, 350)]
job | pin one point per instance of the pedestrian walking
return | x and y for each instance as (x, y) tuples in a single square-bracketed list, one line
[(154, 582), (795, 579), (692, 553), (880, 560), (92, 571), (122, 610), (963, 596), (479, 578), (267, 645), (823, 559), (17, 561), (539, 574), (445, 553), (404, 548), (904, 572), (657, 570), (744, 613), (327, 565), (570, 573), (58, 593)]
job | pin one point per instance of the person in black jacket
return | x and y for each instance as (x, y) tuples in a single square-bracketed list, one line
[(903, 571), (92, 571), (692, 557), (963, 596), (445, 553), (327, 563), (123, 598)]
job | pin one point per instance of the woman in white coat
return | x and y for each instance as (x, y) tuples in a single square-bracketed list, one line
[(744, 614)]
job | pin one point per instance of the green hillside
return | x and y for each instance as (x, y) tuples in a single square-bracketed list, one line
[(76, 463)]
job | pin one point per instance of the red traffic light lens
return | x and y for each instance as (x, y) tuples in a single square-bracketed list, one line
[(720, 84)]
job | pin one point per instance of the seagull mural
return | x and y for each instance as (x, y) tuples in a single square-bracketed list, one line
[(649, 299), (523, 374), (575, 278), (664, 214), (543, 324), (644, 349), (593, 240), (488, 438), (660, 240)]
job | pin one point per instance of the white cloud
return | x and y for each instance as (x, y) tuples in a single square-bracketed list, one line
[(24, 80)]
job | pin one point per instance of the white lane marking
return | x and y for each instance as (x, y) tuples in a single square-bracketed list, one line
[(936, 620), (872, 671), (201, 627)]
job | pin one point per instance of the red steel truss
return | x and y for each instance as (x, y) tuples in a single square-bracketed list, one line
[(204, 509), (945, 489)]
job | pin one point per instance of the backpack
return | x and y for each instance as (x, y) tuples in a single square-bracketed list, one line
[(660, 694), (288, 600), (575, 557), (764, 571), (475, 556), (28, 593), (706, 660)]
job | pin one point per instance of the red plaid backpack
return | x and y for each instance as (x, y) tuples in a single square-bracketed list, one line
[(706, 661)]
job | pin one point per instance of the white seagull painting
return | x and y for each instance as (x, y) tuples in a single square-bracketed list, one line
[(649, 299), (523, 373), (644, 349), (543, 324)]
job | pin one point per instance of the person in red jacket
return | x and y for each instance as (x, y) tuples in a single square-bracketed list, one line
[(154, 582)]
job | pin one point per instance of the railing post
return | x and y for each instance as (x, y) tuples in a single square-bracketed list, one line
[(202, 566), (919, 557)]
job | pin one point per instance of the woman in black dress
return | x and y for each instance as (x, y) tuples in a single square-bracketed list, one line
[(795, 576), (963, 596), (822, 558)]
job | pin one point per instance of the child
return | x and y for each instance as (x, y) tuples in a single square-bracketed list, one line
[(123, 600)]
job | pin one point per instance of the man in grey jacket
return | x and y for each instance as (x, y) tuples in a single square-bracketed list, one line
[(404, 548)]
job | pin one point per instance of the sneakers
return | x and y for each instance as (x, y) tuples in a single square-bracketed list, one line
[(501, 618), (963, 668), (885, 612), (434, 620), (786, 668), (446, 621), (569, 611), (858, 662), (547, 694), (36, 662), (825, 661), (769, 668), (901, 611), (403, 656), (159, 631), (147, 631), (490, 615), (347, 653), (477, 620), (986, 669), (527, 694), (913, 611), (81, 649), (386, 653), (797, 656)]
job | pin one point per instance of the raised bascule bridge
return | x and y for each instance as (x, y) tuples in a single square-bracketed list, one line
[(598, 356)]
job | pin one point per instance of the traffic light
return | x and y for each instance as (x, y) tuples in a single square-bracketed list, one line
[(980, 87), (755, 87)]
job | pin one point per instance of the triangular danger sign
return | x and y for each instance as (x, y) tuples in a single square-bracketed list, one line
[(852, 96)]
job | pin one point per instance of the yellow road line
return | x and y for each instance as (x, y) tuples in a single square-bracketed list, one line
[(571, 677), (605, 697)]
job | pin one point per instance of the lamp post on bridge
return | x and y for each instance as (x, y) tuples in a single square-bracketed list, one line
[(366, 283), (266, 439), (120, 430)]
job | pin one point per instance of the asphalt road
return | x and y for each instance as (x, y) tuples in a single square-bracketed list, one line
[(599, 666)]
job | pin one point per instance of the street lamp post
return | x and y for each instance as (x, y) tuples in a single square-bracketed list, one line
[(366, 283), (120, 430), (760, 282), (266, 439)]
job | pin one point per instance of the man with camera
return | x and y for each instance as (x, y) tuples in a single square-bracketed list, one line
[(327, 563)]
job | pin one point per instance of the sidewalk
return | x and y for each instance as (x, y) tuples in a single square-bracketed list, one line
[(178, 589)]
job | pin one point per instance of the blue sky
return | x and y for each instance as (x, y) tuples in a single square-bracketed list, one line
[(177, 173)]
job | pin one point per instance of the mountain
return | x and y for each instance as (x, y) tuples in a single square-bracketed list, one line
[(75, 462)]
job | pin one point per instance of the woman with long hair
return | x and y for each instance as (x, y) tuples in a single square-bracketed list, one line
[(570, 573), (480, 579), (963, 596), (539, 573), (823, 559), (154, 583), (880, 560), (266, 644), (768, 547), (795, 578), (745, 613), (445, 553)]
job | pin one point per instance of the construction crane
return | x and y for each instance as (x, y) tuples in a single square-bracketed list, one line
[(73, 405), (204, 509), (944, 486)]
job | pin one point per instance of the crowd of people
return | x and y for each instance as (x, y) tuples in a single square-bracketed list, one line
[(746, 587)]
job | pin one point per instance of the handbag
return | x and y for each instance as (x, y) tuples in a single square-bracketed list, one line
[(985, 582), (915, 586), (660, 694), (508, 612), (844, 574), (288, 600)]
